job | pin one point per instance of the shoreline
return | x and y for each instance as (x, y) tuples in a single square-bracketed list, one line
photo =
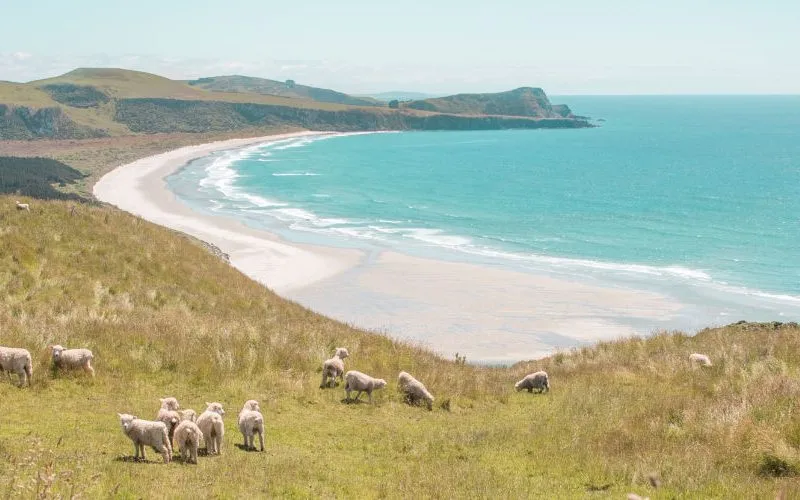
[(140, 188), (489, 314)]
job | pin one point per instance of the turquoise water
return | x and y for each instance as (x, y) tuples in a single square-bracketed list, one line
[(695, 197)]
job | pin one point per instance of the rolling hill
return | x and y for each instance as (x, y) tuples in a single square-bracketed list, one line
[(263, 86), (108, 102), (524, 101)]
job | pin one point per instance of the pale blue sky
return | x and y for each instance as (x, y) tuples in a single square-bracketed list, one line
[(440, 46)]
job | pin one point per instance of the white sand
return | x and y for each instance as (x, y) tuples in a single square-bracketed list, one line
[(140, 188), (487, 313)]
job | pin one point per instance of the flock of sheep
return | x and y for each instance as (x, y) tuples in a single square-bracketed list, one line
[(185, 429)]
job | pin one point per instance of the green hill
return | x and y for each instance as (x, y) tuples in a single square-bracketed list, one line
[(165, 317), (107, 102), (248, 84)]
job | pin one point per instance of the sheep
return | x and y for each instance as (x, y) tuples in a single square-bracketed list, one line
[(146, 433), (334, 367), (538, 380), (251, 421), (17, 360), (169, 415), (700, 359), (188, 414), (73, 358), (414, 390), (187, 438), (23, 206), (357, 381), (210, 423)]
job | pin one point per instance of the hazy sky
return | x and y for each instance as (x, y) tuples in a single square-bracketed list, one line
[(441, 46)]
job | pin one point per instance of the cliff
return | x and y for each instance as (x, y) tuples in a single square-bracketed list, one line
[(524, 101)]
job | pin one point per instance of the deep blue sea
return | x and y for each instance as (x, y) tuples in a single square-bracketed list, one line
[(695, 197)]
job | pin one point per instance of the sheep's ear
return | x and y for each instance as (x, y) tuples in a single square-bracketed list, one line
[(208, 404), (119, 415)]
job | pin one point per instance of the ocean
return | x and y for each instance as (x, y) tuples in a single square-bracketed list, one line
[(693, 197)]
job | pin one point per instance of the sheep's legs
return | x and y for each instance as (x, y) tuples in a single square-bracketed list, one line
[(260, 441), (88, 368)]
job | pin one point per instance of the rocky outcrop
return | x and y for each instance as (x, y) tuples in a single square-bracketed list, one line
[(524, 101), (21, 122), (171, 115)]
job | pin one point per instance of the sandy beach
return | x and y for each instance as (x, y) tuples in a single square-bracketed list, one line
[(490, 314)]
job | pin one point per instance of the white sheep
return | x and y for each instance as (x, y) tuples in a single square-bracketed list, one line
[(334, 367), (188, 414), (700, 359), (187, 439), (73, 358), (210, 423), (23, 206), (17, 360), (538, 380), (146, 433), (251, 422), (169, 415), (414, 390), (357, 381)]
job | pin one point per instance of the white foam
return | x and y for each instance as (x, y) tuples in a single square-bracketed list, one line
[(294, 174)]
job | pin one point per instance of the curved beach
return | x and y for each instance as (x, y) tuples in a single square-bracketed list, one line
[(490, 314)]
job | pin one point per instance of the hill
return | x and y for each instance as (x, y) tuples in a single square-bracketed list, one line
[(166, 317), (400, 95), (524, 101), (248, 84), (107, 102)]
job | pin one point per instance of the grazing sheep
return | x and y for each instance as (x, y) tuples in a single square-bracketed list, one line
[(414, 390), (334, 367), (634, 496), (539, 381), (73, 358), (251, 422), (169, 415), (16, 360), (357, 381), (187, 438), (170, 403), (23, 206), (146, 433), (700, 359), (210, 423)]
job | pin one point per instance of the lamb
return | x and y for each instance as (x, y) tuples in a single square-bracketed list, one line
[(146, 433), (414, 390), (334, 367), (700, 359), (251, 421), (23, 206), (169, 415), (187, 438), (538, 380), (17, 360), (73, 358), (357, 381), (212, 427)]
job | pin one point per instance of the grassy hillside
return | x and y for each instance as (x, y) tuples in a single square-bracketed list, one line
[(238, 83), (165, 317)]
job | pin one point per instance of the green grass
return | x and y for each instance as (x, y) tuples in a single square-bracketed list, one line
[(165, 317)]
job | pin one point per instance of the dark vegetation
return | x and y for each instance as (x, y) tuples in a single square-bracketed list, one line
[(77, 96), (36, 177), (22, 122)]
